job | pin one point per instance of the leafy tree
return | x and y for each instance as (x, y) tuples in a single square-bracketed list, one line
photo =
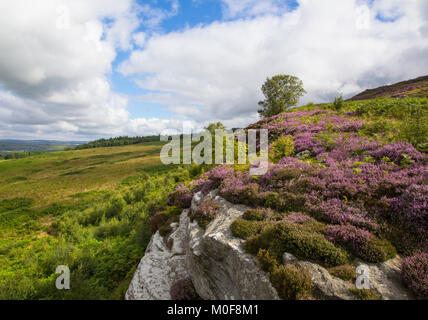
[(281, 92), (212, 127)]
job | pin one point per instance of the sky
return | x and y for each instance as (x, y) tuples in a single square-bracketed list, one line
[(83, 70)]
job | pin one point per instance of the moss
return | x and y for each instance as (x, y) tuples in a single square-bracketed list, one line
[(267, 260), (365, 294), (291, 283), (296, 239), (245, 229), (269, 199), (262, 214), (254, 215), (345, 272)]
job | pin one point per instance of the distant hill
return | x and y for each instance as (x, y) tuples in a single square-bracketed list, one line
[(11, 145), (118, 141), (415, 88)]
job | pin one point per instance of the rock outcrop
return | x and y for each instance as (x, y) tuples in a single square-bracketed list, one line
[(221, 270)]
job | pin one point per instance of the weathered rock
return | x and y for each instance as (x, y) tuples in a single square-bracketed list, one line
[(385, 279), (220, 269), (216, 262), (162, 265)]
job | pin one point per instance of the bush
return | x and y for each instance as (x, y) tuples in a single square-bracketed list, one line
[(361, 242), (298, 240), (345, 272), (244, 229), (291, 283), (414, 274), (205, 213), (365, 294), (338, 103), (281, 148), (267, 261), (184, 290)]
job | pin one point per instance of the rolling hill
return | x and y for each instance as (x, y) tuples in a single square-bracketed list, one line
[(415, 88)]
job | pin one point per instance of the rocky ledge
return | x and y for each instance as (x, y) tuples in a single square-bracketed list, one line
[(220, 269)]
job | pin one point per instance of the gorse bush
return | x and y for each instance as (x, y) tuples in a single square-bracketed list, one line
[(281, 148)]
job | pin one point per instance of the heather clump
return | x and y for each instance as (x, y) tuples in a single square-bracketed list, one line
[(291, 283), (337, 186), (298, 240), (361, 242), (414, 274), (205, 213)]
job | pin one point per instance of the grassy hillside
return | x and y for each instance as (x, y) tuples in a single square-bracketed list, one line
[(346, 180), (415, 88), (88, 209)]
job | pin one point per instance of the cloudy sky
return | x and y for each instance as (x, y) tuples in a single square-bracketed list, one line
[(79, 70)]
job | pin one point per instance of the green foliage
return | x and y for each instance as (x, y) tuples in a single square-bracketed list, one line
[(212, 127), (267, 261), (338, 103), (281, 92), (291, 283), (245, 229), (100, 237), (299, 240), (118, 141), (365, 294), (345, 272), (281, 148)]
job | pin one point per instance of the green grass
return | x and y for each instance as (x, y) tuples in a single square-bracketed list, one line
[(59, 208)]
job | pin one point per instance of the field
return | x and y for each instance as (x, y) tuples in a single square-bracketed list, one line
[(87, 209), (59, 176)]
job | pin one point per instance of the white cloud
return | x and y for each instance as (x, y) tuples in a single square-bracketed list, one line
[(215, 72), (56, 60)]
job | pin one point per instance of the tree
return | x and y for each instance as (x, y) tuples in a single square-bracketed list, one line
[(213, 126), (281, 92)]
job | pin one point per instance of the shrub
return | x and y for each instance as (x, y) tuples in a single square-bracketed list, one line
[(281, 148), (361, 242), (205, 213), (291, 283), (184, 290), (296, 239), (414, 274), (338, 103), (365, 294), (345, 272), (262, 214), (180, 197), (244, 229), (267, 261)]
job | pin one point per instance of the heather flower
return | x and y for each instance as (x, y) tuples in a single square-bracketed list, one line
[(361, 242), (396, 151), (414, 274)]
